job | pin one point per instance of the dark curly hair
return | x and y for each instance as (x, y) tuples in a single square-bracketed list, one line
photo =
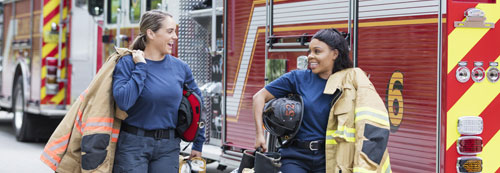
[(336, 40)]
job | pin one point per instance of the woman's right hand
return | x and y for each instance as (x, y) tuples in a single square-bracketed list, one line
[(260, 142), (138, 56)]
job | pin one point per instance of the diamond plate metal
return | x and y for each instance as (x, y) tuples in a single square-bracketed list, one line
[(194, 44)]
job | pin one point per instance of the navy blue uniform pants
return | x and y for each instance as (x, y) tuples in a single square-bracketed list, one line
[(140, 154), (299, 160)]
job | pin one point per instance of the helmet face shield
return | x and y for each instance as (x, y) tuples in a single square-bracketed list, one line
[(283, 116)]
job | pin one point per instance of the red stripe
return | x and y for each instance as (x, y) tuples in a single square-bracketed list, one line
[(52, 53), (498, 170), (50, 16), (63, 63), (484, 51), (490, 120), (46, 99), (46, 1)]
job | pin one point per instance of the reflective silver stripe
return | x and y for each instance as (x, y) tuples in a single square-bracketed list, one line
[(63, 143), (345, 133), (114, 135), (99, 124), (79, 121), (388, 170), (50, 159), (383, 119)]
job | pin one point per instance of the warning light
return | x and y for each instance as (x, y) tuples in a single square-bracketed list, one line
[(469, 164), (469, 145), (470, 125), (478, 72), (463, 73)]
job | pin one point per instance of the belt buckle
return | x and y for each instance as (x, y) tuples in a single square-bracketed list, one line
[(311, 145), (158, 134)]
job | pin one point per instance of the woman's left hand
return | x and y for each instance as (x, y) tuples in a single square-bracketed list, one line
[(194, 153)]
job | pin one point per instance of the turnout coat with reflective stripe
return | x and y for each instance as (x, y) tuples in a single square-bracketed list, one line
[(358, 125), (85, 140)]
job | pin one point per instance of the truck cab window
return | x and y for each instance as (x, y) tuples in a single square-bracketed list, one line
[(153, 5), (135, 11), (113, 6)]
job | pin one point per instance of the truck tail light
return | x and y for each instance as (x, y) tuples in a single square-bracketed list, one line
[(51, 77), (469, 164), (470, 125), (469, 145)]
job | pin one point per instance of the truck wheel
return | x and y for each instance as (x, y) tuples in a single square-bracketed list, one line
[(21, 121)]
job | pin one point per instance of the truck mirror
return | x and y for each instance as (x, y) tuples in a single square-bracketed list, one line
[(96, 7)]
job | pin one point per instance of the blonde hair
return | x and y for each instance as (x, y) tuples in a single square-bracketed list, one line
[(149, 20)]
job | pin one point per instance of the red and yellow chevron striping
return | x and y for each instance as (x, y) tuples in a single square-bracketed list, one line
[(51, 14), (470, 98)]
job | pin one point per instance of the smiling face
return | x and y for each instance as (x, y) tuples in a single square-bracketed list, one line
[(320, 58), (164, 38)]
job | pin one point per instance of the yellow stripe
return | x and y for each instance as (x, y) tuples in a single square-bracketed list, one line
[(370, 118), (369, 109), (44, 72), (386, 165), (47, 27), (472, 103), (346, 129), (462, 40), (361, 170), (341, 132), (490, 153), (63, 56), (65, 12), (63, 73), (330, 132), (331, 142), (49, 7), (43, 92), (59, 96), (47, 48)]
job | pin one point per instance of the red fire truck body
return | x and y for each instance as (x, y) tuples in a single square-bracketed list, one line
[(409, 49)]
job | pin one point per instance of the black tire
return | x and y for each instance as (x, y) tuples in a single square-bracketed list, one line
[(21, 121)]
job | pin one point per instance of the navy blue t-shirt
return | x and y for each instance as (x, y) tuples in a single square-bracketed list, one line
[(316, 104), (151, 92)]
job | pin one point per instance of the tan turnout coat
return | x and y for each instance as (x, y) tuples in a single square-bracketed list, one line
[(358, 125)]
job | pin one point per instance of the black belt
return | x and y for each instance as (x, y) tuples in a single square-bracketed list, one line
[(157, 134), (311, 145)]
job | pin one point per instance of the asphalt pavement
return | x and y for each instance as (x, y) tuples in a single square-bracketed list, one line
[(24, 157)]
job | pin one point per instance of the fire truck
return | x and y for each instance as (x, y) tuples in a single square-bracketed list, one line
[(41, 72), (51, 49), (433, 62)]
